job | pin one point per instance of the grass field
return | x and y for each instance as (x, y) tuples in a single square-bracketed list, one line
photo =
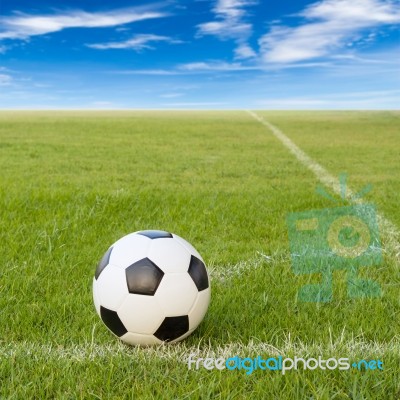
[(72, 183)]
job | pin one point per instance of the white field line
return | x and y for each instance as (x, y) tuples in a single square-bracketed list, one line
[(388, 229), (180, 351), (225, 273)]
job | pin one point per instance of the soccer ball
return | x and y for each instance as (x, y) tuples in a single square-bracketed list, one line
[(151, 287)]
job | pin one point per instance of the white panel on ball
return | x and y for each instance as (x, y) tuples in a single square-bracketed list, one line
[(187, 246), (112, 287), (138, 339), (176, 294), (199, 309), (96, 299), (169, 255), (129, 249), (141, 314)]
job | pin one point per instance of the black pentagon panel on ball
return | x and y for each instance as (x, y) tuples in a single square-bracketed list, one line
[(172, 328), (112, 321), (143, 277), (155, 234), (103, 263), (197, 270)]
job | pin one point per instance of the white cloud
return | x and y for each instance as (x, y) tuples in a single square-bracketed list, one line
[(192, 69), (226, 29), (202, 67), (221, 66), (171, 95), (230, 24), (5, 80), (329, 25), (358, 12), (368, 100), (244, 51), (215, 66), (137, 43), (23, 26), (158, 72)]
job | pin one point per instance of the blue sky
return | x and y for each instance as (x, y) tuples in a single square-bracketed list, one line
[(207, 54)]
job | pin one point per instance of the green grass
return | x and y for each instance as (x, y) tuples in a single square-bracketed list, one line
[(72, 183)]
